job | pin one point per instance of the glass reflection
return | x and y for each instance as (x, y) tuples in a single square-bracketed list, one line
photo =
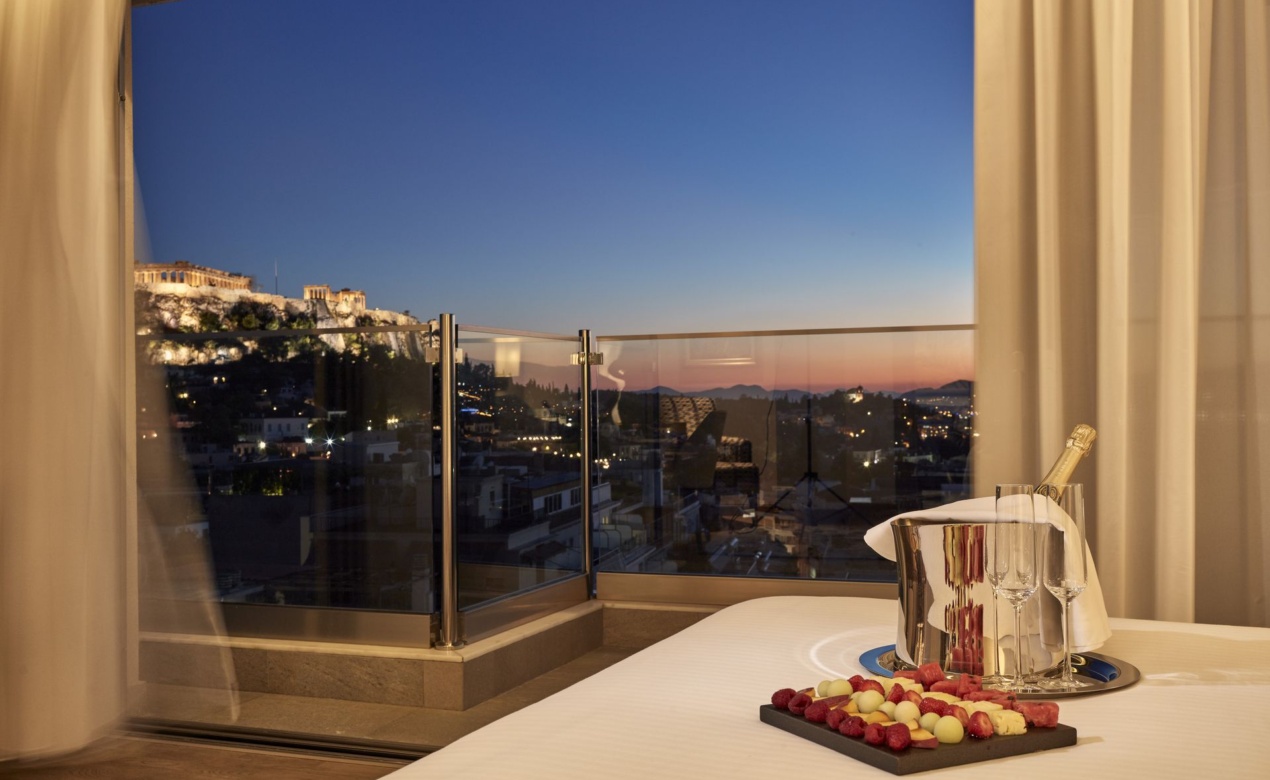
[(771, 454), (519, 514), (307, 456)]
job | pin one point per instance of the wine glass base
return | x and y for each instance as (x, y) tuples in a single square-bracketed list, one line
[(996, 682), (1059, 684)]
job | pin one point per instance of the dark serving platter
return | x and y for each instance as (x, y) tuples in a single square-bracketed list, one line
[(912, 759)]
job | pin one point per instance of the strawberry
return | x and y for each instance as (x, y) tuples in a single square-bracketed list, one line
[(980, 725), (896, 695)]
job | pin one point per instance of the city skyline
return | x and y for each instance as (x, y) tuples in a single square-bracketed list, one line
[(647, 168)]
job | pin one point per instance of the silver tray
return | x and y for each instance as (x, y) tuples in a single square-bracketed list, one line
[(1102, 672)]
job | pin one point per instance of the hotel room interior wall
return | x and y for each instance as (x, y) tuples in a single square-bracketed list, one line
[(63, 667)]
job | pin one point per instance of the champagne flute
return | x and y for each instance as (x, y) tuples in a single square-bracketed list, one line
[(996, 679), (1015, 565), (1065, 569)]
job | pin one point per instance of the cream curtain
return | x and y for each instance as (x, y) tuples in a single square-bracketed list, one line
[(63, 380), (1123, 279)]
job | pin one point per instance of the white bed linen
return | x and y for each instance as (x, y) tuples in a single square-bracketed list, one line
[(688, 706)]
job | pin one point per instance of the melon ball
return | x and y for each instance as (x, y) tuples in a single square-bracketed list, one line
[(948, 730), (906, 711), (869, 701)]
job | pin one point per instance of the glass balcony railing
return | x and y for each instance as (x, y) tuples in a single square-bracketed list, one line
[(301, 458), (309, 465), (770, 454), (519, 491)]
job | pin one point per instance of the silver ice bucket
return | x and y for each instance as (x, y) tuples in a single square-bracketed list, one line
[(948, 614)]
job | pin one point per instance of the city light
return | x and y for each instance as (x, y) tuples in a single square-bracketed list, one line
[(653, 501)]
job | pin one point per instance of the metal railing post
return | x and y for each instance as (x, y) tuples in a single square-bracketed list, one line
[(449, 636), (584, 365)]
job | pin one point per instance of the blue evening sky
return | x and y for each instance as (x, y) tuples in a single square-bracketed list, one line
[(628, 167)]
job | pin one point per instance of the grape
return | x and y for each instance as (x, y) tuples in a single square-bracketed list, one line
[(906, 711), (869, 701), (948, 730), (928, 721), (840, 687), (822, 690)]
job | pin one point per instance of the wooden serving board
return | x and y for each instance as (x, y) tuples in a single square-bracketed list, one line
[(913, 760)]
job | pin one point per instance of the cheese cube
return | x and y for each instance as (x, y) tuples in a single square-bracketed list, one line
[(971, 707), (1006, 722)]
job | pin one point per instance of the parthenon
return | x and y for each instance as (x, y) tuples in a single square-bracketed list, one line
[(182, 272)]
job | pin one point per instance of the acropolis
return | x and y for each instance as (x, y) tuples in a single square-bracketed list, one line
[(189, 275), (182, 272), (354, 299)]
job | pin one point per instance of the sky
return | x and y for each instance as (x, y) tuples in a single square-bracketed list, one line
[(660, 166)]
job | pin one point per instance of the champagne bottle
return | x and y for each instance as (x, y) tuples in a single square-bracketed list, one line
[(1078, 445)]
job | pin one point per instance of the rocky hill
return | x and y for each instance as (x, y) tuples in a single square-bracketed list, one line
[(172, 309)]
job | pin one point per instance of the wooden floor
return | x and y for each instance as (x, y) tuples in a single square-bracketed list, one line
[(141, 758)]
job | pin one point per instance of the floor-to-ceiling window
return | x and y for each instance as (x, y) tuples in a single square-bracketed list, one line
[(757, 208)]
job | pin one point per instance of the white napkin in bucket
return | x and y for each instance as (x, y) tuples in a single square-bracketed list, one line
[(1090, 626)]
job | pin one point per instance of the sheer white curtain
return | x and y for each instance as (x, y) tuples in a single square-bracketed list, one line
[(1123, 279), (63, 382)]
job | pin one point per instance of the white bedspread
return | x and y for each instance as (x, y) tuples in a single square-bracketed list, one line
[(688, 706)]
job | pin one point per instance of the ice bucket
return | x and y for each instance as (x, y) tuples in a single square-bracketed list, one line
[(947, 605)]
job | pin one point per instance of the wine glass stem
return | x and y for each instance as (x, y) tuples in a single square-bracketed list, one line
[(1067, 641), (1018, 645), (996, 642)]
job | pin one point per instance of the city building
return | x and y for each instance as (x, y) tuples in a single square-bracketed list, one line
[(273, 429)]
